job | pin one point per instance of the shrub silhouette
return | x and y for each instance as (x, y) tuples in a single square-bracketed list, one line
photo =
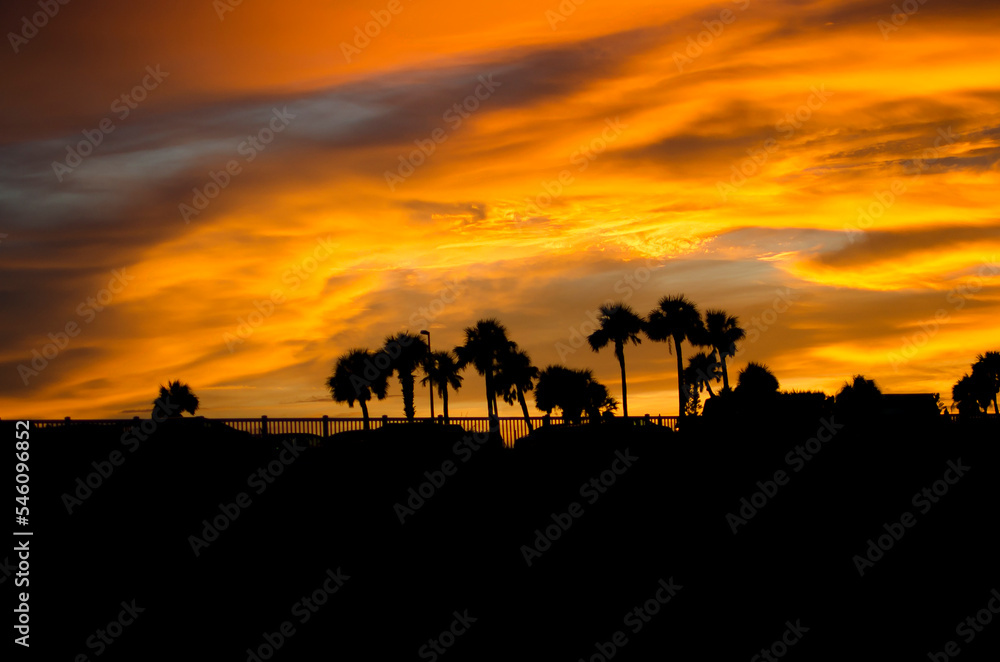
[(756, 383), (859, 398), (573, 392)]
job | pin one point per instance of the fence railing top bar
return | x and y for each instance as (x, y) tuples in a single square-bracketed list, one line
[(376, 420), (392, 419)]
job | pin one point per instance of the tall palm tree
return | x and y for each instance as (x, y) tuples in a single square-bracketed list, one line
[(406, 353), (484, 343), (619, 325), (676, 318), (349, 382), (722, 332), (702, 370), (176, 396), (442, 370), (515, 376), (987, 368)]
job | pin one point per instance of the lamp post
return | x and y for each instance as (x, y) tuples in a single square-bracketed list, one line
[(430, 380)]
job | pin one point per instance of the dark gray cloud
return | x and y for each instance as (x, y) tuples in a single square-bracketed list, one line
[(881, 245)]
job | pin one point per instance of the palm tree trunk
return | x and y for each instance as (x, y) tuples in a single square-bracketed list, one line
[(681, 399), (709, 387), (725, 373), (489, 394), (496, 406), (364, 412), (624, 388), (444, 398), (995, 410), (406, 381), (524, 408)]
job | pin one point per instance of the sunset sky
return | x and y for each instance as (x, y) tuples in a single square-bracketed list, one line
[(824, 170)]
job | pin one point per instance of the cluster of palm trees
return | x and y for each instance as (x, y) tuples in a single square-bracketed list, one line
[(360, 374), (973, 393), (674, 320)]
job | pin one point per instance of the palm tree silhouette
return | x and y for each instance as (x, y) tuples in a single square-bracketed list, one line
[(676, 318), (484, 343), (349, 382), (987, 369), (406, 353), (515, 376), (722, 332), (619, 325), (442, 370), (756, 382), (702, 370), (175, 396), (971, 394)]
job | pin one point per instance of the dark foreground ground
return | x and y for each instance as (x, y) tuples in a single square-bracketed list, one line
[(458, 560)]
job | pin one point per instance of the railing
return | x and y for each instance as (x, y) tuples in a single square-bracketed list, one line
[(511, 427)]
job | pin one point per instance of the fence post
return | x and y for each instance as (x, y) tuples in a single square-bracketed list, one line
[(326, 426), (263, 426)]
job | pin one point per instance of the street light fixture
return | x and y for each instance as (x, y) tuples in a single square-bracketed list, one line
[(430, 380)]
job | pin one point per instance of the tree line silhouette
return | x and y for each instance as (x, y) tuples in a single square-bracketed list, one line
[(359, 375)]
